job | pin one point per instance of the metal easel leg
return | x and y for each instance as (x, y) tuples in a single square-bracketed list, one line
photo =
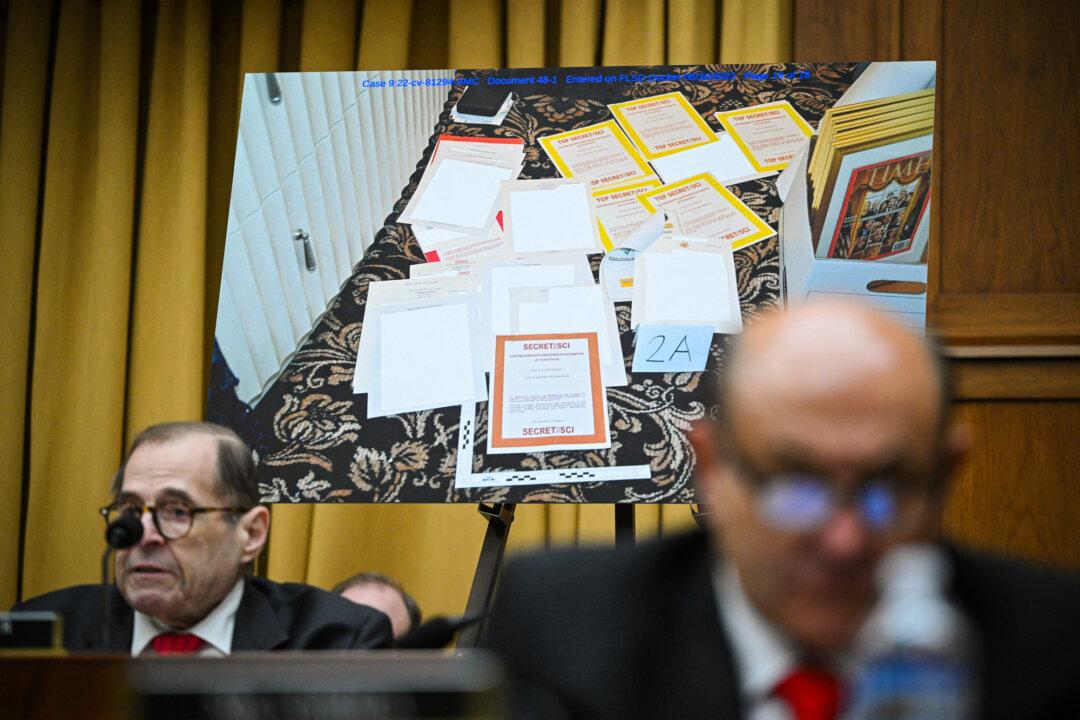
[(498, 517), (698, 512), (624, 525)]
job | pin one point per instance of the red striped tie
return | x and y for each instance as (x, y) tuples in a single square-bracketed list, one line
[(811, 694), (172, 643)]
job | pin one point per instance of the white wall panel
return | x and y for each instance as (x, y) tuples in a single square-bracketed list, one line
[(233, 340), (296, 209), (331, 159)]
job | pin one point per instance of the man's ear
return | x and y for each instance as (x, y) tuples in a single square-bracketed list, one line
[(704, 440), (254, 527)]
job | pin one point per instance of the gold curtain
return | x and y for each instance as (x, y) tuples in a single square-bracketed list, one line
[(117, 133)]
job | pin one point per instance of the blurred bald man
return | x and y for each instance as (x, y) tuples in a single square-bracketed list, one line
[(832, 446), (386, 595)]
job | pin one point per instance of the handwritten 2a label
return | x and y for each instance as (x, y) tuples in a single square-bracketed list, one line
[(672, 348)]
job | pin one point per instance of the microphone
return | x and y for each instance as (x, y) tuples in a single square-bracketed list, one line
[(435, 633), (124, 532), (121, 533)]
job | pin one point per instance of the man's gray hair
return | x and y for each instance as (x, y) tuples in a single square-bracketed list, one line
[(236, 483)]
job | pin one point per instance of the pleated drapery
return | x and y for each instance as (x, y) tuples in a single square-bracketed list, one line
[(118, 132)]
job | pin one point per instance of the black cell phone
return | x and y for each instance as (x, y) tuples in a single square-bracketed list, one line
[(482, 100)]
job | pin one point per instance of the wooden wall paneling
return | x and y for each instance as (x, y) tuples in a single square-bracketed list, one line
[(1050, 378), (1013, 205), (1021, 379), (1002, 318), (1018, 492), (829, 31), (1006, 250), (53, 687), (920, 30)]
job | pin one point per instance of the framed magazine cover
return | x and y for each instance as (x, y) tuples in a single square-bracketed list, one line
[(882, 210)]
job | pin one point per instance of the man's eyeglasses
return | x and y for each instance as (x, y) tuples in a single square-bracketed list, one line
[(172, 519), (803, 502)]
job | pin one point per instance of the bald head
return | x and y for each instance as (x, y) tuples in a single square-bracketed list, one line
[(830, 363), (831, 449)]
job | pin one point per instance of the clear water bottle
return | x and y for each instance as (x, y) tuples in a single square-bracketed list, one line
[(915, 656)]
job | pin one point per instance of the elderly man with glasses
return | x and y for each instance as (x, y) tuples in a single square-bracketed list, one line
[(831, 447), (182, 588)]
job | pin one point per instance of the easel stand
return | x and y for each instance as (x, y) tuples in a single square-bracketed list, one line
[(499, 517), (624, 525)]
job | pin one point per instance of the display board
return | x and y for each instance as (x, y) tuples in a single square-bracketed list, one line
[(534, 318)]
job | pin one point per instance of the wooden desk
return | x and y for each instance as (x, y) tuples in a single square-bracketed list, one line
[(58, 686), (360, 684)]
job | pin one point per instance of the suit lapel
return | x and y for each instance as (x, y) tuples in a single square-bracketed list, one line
[(696, 651), (121, 623), (257, 626), (1017, 674)]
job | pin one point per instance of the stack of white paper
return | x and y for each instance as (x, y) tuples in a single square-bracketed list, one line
[(458, 195), (454, 247), (549, 216), (467, 268), (686, 282), (492, 151), (573, 309), (426, 357), (543, 271), (427, 341), (460, 188), (722, 159), (396, 293)]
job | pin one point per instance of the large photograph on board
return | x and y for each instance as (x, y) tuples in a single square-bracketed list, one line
[(512, 285)]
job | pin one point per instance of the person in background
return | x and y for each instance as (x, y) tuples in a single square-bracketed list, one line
[(385, 595), (830, 452), (183, 587)]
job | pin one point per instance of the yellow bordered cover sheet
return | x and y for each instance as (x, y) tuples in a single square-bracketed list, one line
[(600, 154), (662, 124), (707, 209), (618, 213), (769, 135)]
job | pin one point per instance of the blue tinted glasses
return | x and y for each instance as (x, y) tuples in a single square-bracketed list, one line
[(801, 503)]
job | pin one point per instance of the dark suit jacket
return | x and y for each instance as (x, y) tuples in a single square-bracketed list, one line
[(271, 616), (627, 634)]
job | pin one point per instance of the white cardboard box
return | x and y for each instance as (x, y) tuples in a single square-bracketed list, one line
[(897, 288)]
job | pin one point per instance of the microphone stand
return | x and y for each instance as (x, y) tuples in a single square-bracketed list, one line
[(106, 598), (121, 533), (436, 633)]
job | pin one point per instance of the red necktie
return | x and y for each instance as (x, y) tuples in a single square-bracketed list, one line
[(811, 694), (171, 643)]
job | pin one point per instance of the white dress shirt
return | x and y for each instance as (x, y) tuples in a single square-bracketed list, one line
[(763, 656), (215, 630)]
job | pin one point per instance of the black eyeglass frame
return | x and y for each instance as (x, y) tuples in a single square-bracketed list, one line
[(153, 510)]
